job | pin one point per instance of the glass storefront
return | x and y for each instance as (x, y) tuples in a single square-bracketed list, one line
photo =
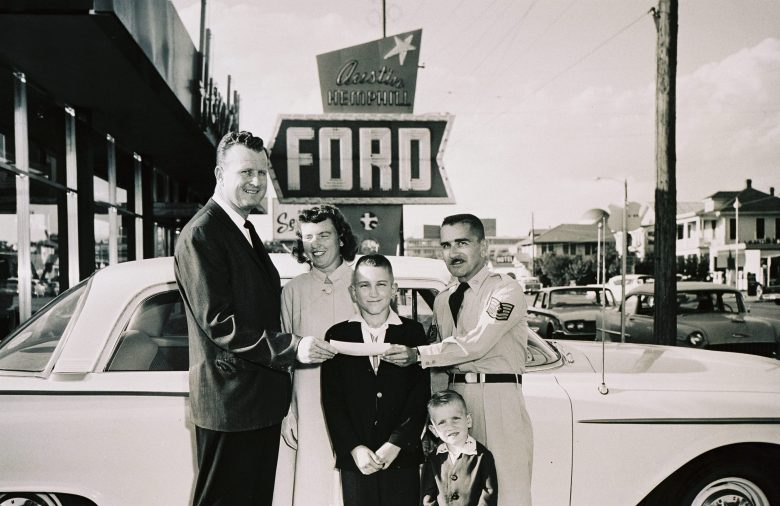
[(39, 197)]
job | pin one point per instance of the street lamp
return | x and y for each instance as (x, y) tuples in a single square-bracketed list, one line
[(624, 255)]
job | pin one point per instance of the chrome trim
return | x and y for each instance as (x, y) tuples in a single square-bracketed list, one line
[(119, 393), (685, 421)]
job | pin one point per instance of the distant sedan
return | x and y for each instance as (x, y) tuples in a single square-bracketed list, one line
[(569, 312), (709, 315)]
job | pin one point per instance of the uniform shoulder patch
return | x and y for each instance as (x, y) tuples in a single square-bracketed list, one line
[(499, 310)]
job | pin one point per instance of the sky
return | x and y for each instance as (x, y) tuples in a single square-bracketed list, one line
[(547, 95)]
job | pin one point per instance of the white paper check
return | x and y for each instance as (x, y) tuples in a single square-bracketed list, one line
[(360, 349)]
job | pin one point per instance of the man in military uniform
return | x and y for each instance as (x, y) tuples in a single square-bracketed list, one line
[(482, 340)]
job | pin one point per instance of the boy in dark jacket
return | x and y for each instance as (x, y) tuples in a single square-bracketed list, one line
[(461, 471), (375, 411)]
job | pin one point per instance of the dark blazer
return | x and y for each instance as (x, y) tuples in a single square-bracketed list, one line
[(239, 361), (363, 408), (470, 481)]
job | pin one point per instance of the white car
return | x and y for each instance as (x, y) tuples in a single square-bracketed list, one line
[(615, 283), (94, 406)]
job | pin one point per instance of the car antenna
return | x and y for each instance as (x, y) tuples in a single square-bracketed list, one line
[(603, 389)]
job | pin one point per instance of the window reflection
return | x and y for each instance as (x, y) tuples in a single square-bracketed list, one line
[(6, 115), (46, 136), (9, 298), (101, 236)]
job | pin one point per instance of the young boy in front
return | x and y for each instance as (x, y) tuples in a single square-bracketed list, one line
[(375, 411), (462, 470)]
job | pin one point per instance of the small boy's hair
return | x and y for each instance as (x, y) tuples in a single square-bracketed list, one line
[(373, 260), (445, 397)]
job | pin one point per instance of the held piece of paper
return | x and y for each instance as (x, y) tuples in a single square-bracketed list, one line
[(360, 349)]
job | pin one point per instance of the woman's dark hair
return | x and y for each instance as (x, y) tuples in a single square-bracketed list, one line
[(319, 214)]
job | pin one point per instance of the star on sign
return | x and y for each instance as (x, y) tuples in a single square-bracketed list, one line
[(401, 48)]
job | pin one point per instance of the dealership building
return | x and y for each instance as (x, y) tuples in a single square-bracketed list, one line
[(108, 127)]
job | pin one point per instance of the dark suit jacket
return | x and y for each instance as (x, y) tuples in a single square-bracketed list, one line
[(239, 361), (363, 408), (470, 481)]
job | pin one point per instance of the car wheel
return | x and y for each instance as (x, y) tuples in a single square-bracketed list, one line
[(25, 499), (739, 480), (550, 332), (777, 301)]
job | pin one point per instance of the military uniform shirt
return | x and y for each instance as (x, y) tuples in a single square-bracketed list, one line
[(491, 335)]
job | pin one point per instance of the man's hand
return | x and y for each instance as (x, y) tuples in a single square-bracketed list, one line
[(314, 351), (290, 430), (388, 452), (367, 461), (399, 354)]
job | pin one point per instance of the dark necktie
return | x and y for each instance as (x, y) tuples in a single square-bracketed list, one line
[(456, 300), (262, 254)]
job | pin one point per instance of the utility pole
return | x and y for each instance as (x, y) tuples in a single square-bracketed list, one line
[(665, 286)]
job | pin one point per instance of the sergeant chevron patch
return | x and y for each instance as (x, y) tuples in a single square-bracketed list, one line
[(499, 310)]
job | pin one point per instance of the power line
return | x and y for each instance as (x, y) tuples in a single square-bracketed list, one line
[(572, 65), (513, 29)]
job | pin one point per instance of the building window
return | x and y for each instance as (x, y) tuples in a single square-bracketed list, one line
[(6, 115), (777, 228), (732, 228), (48, 212), (46, 136), (760, 234), (680, 232)]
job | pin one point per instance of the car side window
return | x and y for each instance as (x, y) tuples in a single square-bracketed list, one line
[(416, 304), (646, 306), (155, 338), (631, 305)]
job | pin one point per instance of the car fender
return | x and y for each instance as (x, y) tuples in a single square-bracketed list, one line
[(634, 414)]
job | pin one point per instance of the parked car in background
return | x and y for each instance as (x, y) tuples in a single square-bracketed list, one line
[(94, 396), (569, 312), (530, 284), (615, 283), (38, 288), (709, 315), (769, 292)]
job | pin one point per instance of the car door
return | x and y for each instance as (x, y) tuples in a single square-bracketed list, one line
[(143, 372), (639, 318)]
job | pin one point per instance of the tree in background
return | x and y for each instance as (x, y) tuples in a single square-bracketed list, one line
[(561, 270)]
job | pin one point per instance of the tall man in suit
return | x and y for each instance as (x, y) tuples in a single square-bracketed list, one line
[(239, 360)]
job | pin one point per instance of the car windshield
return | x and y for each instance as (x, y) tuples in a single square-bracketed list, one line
[(540, 352), (31, 346), (709, 302), (575, 297)]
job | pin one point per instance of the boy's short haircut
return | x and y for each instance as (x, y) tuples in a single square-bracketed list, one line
[(444, 397), (373, 260)]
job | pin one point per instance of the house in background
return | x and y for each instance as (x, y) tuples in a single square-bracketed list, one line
[(733, 229), (566, 239)]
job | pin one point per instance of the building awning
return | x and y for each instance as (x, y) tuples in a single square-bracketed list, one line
[(93, 56)]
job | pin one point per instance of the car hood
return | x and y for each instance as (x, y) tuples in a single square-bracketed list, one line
[(639, 366)]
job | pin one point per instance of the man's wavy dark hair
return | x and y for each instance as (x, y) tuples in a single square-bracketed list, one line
[(242, 138), (319, 214)]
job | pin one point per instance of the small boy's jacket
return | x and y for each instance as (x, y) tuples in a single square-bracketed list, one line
[(469, 481), (363, 408)]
